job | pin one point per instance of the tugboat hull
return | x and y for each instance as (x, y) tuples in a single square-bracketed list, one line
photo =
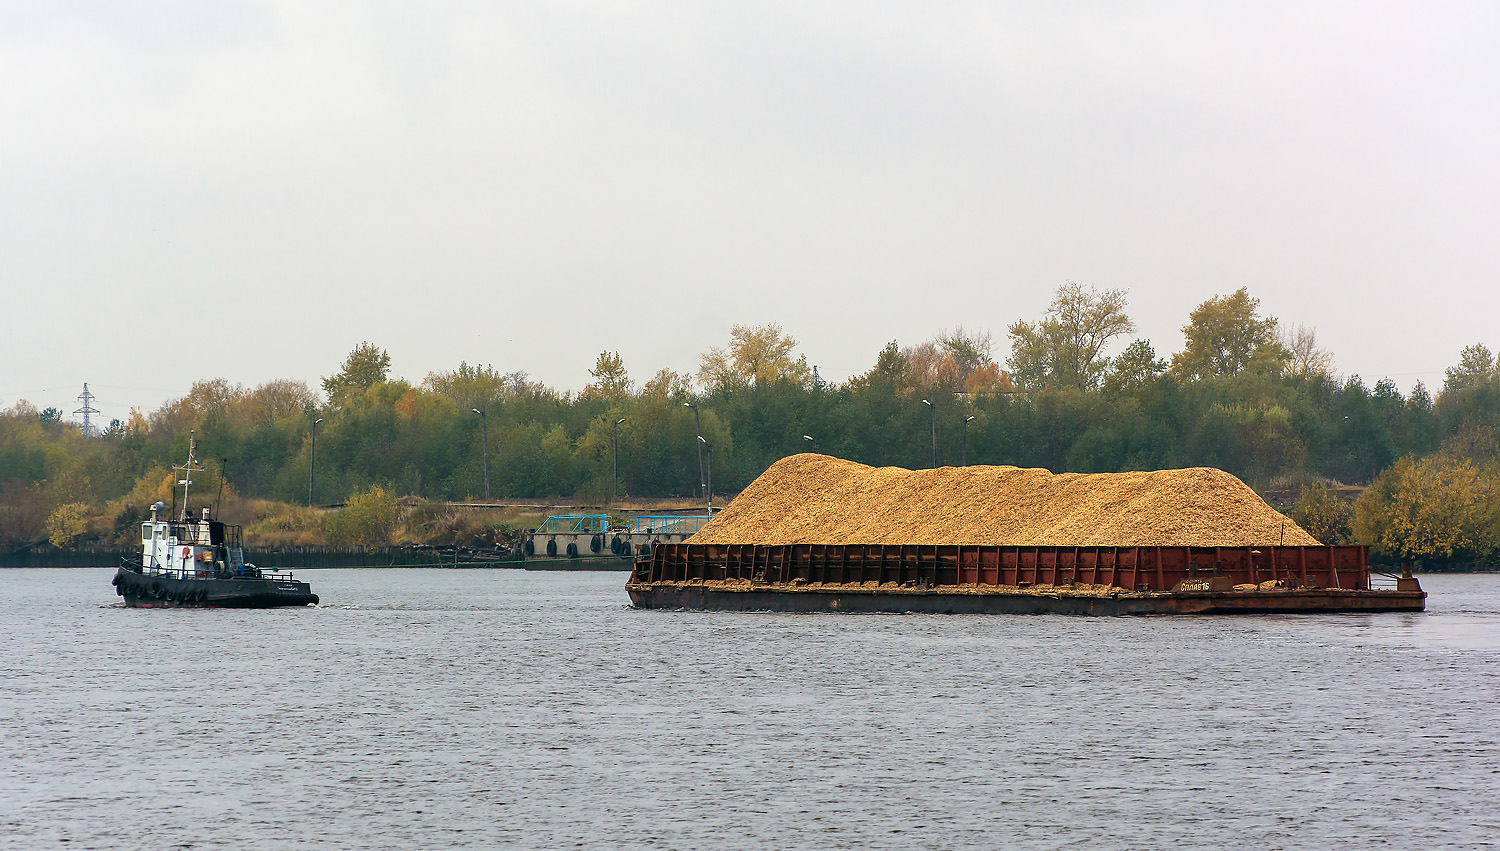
[(153, 591)]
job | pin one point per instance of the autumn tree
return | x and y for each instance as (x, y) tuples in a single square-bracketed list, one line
[(891, 367), (973, 366), (756, 355), (957, 361), (23, 514), (1304, 356), (1066, 347), (610, 378), (366, 366), (277, 400), (667, 383), (473, 386), (67, 523), (1226, 336), (1476, 366), (1134, 367), (214, 398), (1323, 515), (1441, 507), (890, 372)]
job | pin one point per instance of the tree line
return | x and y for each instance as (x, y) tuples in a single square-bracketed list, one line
[(1246, 393)]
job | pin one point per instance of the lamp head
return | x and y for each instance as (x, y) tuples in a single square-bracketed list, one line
[(477, 411), (318, 420)]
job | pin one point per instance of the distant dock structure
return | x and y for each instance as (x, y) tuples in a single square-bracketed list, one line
[(88, 409)]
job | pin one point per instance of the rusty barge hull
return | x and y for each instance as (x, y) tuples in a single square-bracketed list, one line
[(935, 601), (1005, 580)]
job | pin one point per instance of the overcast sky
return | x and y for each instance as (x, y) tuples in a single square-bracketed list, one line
[(247, 190)]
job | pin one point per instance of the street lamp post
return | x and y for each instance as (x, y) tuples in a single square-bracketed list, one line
[(312, 461), (963, 455), (933, 411), (710, 486), (814, 442), (698, 432), (484, 423), (616, 491)]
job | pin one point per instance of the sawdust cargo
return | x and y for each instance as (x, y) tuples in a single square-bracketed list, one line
[(816, 534), (815, 499)]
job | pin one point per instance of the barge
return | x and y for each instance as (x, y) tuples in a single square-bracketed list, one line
[(1018, 580), (597, 542)]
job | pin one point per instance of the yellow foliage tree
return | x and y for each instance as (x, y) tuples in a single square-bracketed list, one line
[(1438, 508), (154, 485), (1226, 336), (667, 383), (756, 355), (611, 381), (158, 484), (472, 386), (67, 523), (366, 521)]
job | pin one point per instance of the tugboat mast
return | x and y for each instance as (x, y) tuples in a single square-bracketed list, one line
[(187, 474)]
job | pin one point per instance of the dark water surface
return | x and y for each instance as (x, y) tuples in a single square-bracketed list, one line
[(488, 709)]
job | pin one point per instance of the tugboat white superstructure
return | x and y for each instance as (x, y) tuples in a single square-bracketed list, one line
[(200, 562)]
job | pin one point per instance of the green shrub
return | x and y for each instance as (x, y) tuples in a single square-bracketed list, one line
[(367, 521)]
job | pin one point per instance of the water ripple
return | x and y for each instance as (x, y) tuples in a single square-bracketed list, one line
[(475, 709)]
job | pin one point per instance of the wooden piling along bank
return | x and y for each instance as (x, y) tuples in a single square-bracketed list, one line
[(986, 539)]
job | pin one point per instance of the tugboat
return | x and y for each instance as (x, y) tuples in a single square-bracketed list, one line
[(200, 562)]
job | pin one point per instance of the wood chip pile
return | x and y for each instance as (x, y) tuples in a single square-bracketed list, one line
[(815, 499)]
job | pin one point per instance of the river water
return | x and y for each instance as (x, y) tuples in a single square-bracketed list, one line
[(503, 708)]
